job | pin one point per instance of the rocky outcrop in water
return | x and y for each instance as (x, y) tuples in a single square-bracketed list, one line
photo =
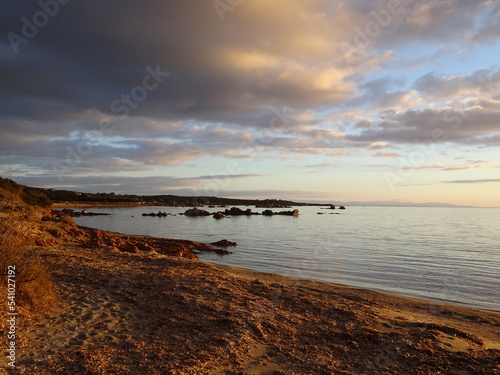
[(284, 213), (194, 212), (158, 214), (81, 213), (235, 211), (224, 243), (288, 213), (219, 215)]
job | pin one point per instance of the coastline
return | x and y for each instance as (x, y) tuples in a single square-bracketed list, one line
[(175, 315), (132, 304), (97, 204)]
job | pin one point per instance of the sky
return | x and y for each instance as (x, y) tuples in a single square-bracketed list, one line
[(311, 100)]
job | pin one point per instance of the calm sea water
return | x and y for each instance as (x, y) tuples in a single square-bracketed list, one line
[(441, 254)]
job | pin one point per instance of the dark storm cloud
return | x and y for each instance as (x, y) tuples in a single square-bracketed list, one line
[(208, 87), (91, 53)]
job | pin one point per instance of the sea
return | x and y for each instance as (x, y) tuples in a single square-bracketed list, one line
[(449, 255)]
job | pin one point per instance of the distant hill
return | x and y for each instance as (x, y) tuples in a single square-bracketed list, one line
[(67, 196), (29, 195)]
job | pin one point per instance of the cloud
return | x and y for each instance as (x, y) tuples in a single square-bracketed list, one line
[(473, 181), (229, 83), (464, 168), (447, 87), (426, 166), (386, 155), (472, 126)]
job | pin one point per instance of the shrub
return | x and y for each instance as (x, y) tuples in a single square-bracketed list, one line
[(34, 288), (28, 195)]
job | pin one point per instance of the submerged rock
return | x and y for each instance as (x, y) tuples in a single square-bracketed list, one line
[(224, 243), (159, 214)]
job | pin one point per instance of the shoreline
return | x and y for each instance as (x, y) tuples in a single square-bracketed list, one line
[(91, 204), (243, 270), (423, 298), (123, 310), (203, 318)]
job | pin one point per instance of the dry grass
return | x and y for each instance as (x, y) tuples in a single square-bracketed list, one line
[(35, 292)]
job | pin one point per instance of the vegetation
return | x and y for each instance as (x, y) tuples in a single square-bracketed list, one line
[(30, 196), (63, 196), (34, 291)]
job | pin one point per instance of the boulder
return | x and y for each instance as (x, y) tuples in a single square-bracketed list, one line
[(268, 213), (288, 213), (193, 212), (219, 215), (235, 211)]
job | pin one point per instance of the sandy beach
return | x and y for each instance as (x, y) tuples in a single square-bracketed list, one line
[(129, 309)]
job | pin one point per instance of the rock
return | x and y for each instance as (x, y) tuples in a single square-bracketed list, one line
[(320, 213), (224, 243), (341, 208), (193, 212), (268, 213), (219, 215), (288, 213), (235, 211), (332, 207)]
